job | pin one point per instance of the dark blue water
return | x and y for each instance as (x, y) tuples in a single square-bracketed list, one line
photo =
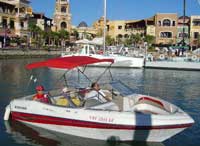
[(179, 87)]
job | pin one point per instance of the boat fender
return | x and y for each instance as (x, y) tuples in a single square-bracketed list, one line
[(194, 58), (162, 57), (7, 113)]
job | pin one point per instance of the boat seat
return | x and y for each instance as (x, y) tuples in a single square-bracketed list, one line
[(149, 109), (151, 101), (149, 105), (62, 101)]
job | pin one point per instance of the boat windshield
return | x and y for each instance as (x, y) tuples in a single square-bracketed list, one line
[(122, 88)]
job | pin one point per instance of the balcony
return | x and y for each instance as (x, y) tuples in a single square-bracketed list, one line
[(7, 32), (7, 12), (64, 2), (22, 15), (7, 9), (196, 22)]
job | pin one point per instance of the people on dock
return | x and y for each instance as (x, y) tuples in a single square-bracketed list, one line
[(97, 93), (126, 51), (40, 95)]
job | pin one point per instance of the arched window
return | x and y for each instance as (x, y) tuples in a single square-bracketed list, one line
[(12, 24), (63, 9), (126, 36), (166, 22), (159, 23), (4, 23), (63, 25), (120, 36), (174, 23), (166, 34)]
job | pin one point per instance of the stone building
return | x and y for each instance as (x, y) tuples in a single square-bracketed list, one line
[(40, 20), (194, 31), (122, 29), (85, 32), (14, 15), (99, 26), (62, 16), (183, 33), (166, 28)]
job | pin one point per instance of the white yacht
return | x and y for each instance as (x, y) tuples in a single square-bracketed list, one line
[(121, 59)]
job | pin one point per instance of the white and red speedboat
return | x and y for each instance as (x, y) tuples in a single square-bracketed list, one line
[(127, 117)]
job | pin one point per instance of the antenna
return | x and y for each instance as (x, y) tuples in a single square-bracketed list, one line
[(104, 27), (184, 6)]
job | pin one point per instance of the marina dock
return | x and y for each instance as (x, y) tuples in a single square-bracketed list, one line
[(10, 54)]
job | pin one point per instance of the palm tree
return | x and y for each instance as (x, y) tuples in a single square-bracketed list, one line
[(36, 32), (55, 37), (109, 40), (136, 39), (75, 34), (128, 42), (47, 37), (198, 41), (149, 39), (63, 36)]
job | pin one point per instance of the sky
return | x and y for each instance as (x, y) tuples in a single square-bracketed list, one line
[(91, 10)]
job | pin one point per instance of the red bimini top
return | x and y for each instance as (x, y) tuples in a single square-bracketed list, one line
[(67, 62)]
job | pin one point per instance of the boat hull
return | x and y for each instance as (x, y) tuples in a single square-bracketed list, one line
[(182, 62), (119, 61), (151, 135), (101, 125)]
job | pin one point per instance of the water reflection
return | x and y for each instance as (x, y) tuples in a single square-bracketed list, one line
[(171, 83), (14, 77), (26, 134)]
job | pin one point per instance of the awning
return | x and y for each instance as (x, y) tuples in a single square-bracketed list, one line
[(95, 41), (2, 34), (83, 41), (67, 62)]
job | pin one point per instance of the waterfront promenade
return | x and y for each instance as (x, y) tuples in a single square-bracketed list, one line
[(27, 53)]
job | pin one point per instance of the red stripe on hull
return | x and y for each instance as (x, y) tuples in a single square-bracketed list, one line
[(78, 123)]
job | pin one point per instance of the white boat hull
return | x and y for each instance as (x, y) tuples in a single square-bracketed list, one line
[(119, 61), (103, 124), (112, 134)]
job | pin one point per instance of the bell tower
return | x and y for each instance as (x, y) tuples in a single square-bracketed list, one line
[(62, 16)]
